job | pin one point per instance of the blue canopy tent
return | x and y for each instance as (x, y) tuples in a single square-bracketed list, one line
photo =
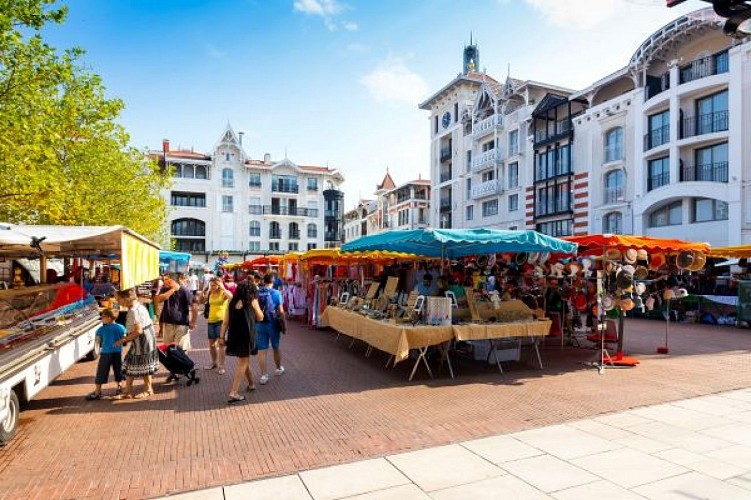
[(454, 243), (174, 261)]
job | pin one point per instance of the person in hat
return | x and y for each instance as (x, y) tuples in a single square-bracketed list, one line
[(427, 288)]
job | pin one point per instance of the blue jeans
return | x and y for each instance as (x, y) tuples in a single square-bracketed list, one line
[(214, 329), (266, 332)]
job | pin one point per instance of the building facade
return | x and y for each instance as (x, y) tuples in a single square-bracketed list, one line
[(226, 202), (655, 148)]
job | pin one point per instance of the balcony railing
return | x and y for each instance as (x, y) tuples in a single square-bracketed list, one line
[(446, 176), (485, 160), (614, 194), (704, 67), (445, 204), (656, 137), (275, 235), (704, 124), (445, 154), (711, 172), (285, 188), (487, 188), (484, 126), (658, 180), (293, 211), (255, 209), (561, 128)]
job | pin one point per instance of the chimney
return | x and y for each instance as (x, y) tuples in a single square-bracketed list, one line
[(240, 137), (267, 158), (165, 146)]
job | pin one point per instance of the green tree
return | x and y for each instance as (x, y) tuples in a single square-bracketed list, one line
[(63, 157)]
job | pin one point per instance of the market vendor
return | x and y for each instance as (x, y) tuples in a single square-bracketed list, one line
[(427, 288)]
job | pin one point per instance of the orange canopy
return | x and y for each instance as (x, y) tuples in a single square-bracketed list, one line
[(596, 242)]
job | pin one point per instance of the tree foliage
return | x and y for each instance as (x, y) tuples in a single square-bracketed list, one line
[(64, 159)]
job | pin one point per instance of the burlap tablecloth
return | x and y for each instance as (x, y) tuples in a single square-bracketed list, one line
[(472, 331)]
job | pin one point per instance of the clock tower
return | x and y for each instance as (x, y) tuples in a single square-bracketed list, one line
[(471, 58)]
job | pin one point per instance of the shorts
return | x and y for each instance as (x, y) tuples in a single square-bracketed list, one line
[(266, 332), (176, 334), (214, 329), (107, 360)]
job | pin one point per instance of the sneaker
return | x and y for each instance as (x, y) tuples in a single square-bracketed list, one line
[(221, 371), (279, 370), (264, 379)]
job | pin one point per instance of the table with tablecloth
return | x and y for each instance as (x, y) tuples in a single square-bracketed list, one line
[(493, 332)]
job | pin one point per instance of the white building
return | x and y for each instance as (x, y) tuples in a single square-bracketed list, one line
[(655, 148), (225, 201)]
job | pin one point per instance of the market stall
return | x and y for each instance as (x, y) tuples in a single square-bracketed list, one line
[(174, 262), (743, 301)]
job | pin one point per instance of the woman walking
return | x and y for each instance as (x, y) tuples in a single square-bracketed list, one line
[(142, 359), (216, 300), (238, 334)]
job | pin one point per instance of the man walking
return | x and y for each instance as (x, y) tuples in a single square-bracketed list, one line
[(179, 312), (268, 331)]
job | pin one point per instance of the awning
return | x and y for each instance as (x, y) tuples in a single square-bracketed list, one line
[(334, 256), (454, 243), (167, 256), (622, 242), (736, 252)]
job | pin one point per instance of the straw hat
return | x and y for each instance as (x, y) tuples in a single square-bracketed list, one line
[(681, 293), (641, 273), (628, 268), (624, 280), (608, 303), (627, 304), (613, 254), (657, 261), (668, 294), (630, 256), (700, 260), (685, 259), (640, 288), (642, 255)]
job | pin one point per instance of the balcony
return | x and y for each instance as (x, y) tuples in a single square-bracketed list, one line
[(445, 176), (561, 129), (614, 195), (285, 188), (445, 153), (279, 210), (710, 172), (255, 209), (704, 124), (485, 126), (658, 180), (656, 137), (704, 67), (445, 204), (484, 161), (488, 188), (275, 235)]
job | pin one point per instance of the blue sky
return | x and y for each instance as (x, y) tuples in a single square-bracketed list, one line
[(335, 82)]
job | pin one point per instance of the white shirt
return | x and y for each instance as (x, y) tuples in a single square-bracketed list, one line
[(193, 280)]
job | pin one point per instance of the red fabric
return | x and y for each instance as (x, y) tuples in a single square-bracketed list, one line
[(594, 244)]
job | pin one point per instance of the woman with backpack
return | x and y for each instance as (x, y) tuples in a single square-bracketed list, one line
[(238, 334), (216, 301)]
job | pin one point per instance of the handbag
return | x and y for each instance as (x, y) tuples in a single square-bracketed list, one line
[(281, 323), (206, 310)]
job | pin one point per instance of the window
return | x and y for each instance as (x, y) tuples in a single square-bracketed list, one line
[(553, 162), (312, 184), (190, 171), (469, 188), (180, 199), (711, 165), (470, 212), (255, 228), (254, 246), (513, 175), (227, 204), (488, 146), (712, 113), (513, 203), (489, 208), (513, 143), (488, 176), (228, 178), (658, 173), (658, 130), (294, 231), (275, 231), (614, 186), (557, 227), (227, 156), (612, 223), (708, 209), (188, 227), (553, 198), (469, 161), (254, 179), (312, 231), (614, 145), (312, 246), (403, 217), (284, 184), (185, 245), (435, 124), (273, 246), (312, 209), (294, 246), (669, 215), (254, 207), (456, 112)]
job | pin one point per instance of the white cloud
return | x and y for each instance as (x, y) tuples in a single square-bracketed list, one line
[(350, 26), (394, 82), (317, 7), (578, 14)]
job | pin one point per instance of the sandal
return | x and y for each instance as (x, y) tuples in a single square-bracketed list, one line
[(143, 395), (94, 396), (235, 399), (125, 395)]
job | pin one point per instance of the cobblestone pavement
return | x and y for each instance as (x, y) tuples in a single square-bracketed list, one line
[(334, 406)]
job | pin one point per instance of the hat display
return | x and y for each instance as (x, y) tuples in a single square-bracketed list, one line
[(608, 303), (640, 288), (657, 261), (681, 293), (624, 280), (613, 254), (630, 256), (642, 255), (641, 273), (627, 304), (700, 260), (668, 294), (685, 259), (628, 268), (520, 259), (533, 257)]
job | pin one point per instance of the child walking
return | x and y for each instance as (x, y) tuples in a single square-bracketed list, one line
[(110, 355)]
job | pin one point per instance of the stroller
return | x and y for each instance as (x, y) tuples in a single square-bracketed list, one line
[(174, 359)]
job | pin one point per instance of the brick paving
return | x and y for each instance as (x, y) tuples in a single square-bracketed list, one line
[(333, 406)]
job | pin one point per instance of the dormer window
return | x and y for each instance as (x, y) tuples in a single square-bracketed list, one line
[(228, 178)]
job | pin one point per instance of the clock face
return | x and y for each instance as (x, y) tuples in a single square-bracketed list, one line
[(446, 119)]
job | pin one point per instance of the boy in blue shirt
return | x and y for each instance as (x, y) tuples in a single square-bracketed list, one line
[(109, 355)]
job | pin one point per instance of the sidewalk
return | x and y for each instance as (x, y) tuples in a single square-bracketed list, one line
[(696, 448)]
